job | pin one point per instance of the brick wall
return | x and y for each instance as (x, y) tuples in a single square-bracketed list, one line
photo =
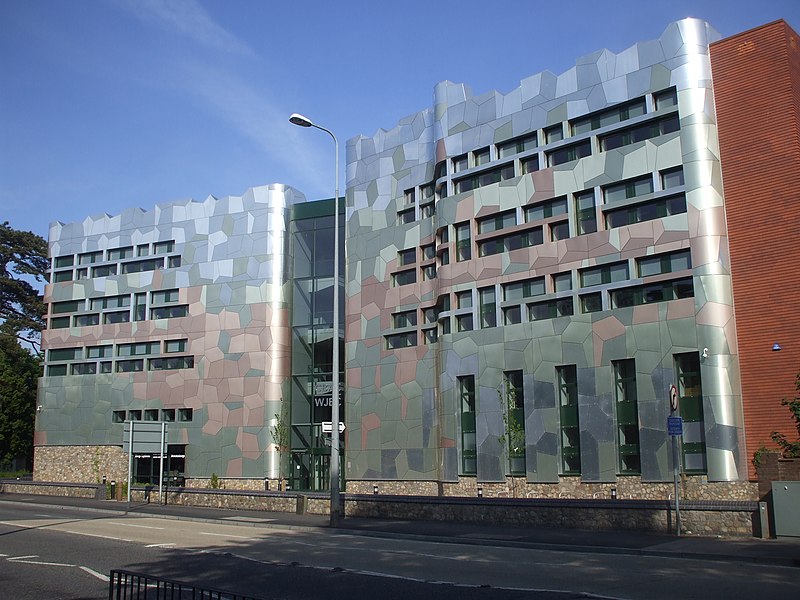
[(756, 78)]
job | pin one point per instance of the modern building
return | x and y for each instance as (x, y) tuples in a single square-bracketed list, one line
[(527, 276)]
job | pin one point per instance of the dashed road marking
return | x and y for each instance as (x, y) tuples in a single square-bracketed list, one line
[(94, 573)]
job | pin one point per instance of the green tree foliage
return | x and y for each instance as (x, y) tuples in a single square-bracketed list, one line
[(23, 258), (788, 448), (19, 371)]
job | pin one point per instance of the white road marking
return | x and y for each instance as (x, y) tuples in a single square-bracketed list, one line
[(94, 573), (41, 562), (105, 537), (168, 545), (226, 535), (132, 525), (22, 557), (20, 525)]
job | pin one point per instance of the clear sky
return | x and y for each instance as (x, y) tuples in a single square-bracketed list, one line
[(112, 104)]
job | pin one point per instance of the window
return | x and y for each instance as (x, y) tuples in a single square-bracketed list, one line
[(488, 307), (513, 241), (517, 145), (690, 407), (151, 414), (67, 306), (429, 335), (528, 288), (427, 210), (444, 325), (118, 416), (481, 157), (640, 133), (585, 214), (664, 263), (81, 274), (497, 222), (627, 416), (464, 299), (546, 209), (139, 307), (142, 266), (662, 291), (409, 197), (562, 282), (484, 178), (99, 351), (646, 211), (559, 231), (138, 349), (164, 247), (401, 340), (64, 354), (666, 99), (464, 322), (512, 315), (426, 192), (569, 153), (428, 252), (130, 366), (104, 271), (407, 257), (134, 415), (120, 253), (529, 164), (60, 276), (64, 261), (591, 302), (440, 170), (429, 315), (554, 133), (405, 216), (106, 367), (463, 242), (460, 163), (173, 262), (168, 414), (514, 417), (404, 278), (610, 273), (406, 318), (672, 178), (87, 320), (56, 370), (631, 188), (175, 345), (567, 382), (111, 318), (466, 393), (169, 312), (88, 258), (608, 117), (164, 297), (59, 323), (550, 309), (109, 302), (171, 363)]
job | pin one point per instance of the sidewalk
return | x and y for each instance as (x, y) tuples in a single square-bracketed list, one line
[(785, 551)]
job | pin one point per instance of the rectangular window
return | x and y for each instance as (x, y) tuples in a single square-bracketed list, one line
[(690, 408), (104, 271), (585, 213), (67, 306), (109, 302), (469, 448), (428, 252), (665, 99), (403, 319), (512, 315), (463, 242), (528, 288), (168, 414), (142, 266), (672, 178), (173, 262), (646, 211), (81, 274), (171, 346), (567, 382), (171, 363), (484, 178), (546, 209), (151, 414), (611, 273), (559, 231), (569, 153), (405, 216), (529, 164), (404, 278), (554, 133), (138, 349), (169, 312), (134, 415), (87, 320), (164, 297), (120, 253), (514, 417), (99, 351), (56, 370), (106, 367), (64, 354), (401, 340), (130, 366), (632, 188), (111, 318), (464, 299), (409, 197), (562, 282), (510, 242), (88, 258), (64, 261), (481, 157), (164, 247), (460, 163), (60, 276), (140, 307), (118, 416), (627, 416), (591, 302), (83, 369), (497, 222), (516, 146), (143, 250), (464, 322), (550, 309), (640, 133), (662, 291), (664, 263), (488, 307), (59, 323), (407, 257), (608, 117), (429, 336)]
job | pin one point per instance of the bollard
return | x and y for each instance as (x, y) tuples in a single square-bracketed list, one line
[(113, 490), (302, 504)]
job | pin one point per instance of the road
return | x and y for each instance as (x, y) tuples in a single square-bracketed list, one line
[(63, 553)]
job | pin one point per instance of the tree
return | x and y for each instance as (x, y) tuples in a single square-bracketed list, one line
[(19, 371), (23, 257), (790, 449)]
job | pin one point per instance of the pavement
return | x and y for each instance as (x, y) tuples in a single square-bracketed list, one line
[(782, 551)]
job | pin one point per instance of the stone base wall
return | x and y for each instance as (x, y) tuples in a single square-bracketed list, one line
[(692, 487), (79, 464), (53, 489)]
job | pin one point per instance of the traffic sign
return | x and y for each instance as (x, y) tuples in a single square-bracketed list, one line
[(327, 427), (675, 426), (673, 398)]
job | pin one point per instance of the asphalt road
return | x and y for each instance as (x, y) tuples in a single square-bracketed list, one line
[(68, 554)]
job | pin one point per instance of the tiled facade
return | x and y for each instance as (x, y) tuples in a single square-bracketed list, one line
[(504, 311)]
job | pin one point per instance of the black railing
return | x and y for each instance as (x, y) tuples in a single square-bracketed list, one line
[(126, 585)]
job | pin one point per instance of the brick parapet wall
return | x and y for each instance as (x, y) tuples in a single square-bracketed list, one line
[(774, 468)]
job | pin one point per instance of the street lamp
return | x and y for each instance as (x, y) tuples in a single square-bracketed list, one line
[(298, 119)]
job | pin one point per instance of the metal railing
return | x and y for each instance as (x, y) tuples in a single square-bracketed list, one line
[(127, 585)]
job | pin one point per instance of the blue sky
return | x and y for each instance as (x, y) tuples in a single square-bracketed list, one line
[(111, 104)]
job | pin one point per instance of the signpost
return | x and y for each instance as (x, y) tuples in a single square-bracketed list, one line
[(146, 437), (327, 427), (675, 430)]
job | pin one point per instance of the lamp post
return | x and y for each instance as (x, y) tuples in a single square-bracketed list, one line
[(300, 120)]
